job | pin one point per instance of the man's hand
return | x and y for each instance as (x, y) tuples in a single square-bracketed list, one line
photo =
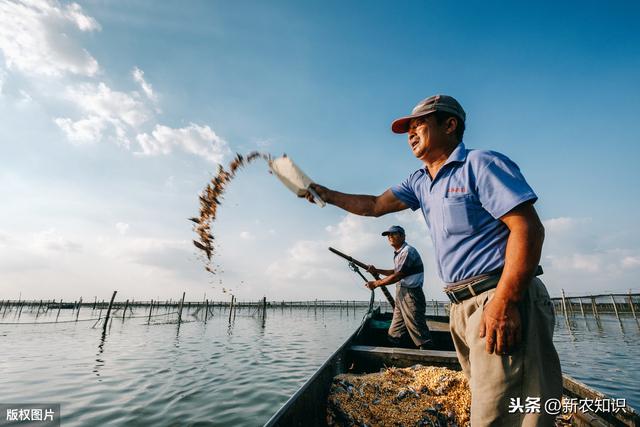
[(501, 325), (372, 285), (322, 191), (371, 269)]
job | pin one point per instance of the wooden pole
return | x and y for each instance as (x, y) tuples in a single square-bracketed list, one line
[(106, 319), (126, 305), (594, 307), (150, 308), (633, 310), (59, 307), (570, 306), (78, 312), (581, 308), (20, 312), (180, 308), (615, 307), (206, 310), (38, 312), (564, 304), (95, 300), (231, 308)]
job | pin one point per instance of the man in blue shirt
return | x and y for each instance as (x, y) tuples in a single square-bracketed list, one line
[(488, 240), (408, 273)]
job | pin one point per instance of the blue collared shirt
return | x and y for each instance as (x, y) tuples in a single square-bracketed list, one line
[(407, 259), (462, 207)]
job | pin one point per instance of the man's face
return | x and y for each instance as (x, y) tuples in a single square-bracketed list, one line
[(395, 239), (425, 134)]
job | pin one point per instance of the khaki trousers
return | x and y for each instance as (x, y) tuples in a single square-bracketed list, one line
[(532, 371), (409, 316)]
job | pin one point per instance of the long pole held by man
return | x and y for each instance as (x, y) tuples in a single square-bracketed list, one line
[(488, 240)]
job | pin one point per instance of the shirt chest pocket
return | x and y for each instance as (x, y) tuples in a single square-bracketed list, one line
[(459, 214)]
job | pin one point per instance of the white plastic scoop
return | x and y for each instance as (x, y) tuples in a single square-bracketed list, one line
[(293, 178)]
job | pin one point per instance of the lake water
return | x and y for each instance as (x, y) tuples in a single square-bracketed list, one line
[(232, 375)]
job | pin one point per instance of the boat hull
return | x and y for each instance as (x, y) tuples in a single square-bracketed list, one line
[(364, 351)]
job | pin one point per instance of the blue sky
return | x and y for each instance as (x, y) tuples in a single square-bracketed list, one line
[(115, 115)]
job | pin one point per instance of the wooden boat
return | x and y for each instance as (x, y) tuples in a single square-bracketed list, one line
[(366, 350)]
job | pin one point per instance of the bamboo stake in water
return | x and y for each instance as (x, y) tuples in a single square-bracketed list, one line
[(615, 307), (106, 319), (633, 310), (564, 304), (180, 308), (206, 310), (150, 308), (581, 308), (126, 304), (20, 312), (231, 308), (78, 312), (594, 307)]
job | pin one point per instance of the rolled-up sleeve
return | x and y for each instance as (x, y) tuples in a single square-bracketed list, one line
[(501, 187)]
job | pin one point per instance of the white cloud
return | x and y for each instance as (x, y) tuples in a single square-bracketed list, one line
[(52, 263), (102, 101), (3, 78), (138, 76), (105, 109), (85, 130), (564, 224), (194, 139), (631, 262), (308, 264), (52, 240), (122, 228), (36, 38)]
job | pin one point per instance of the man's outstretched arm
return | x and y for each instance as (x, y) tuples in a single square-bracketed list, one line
[(359, 204)]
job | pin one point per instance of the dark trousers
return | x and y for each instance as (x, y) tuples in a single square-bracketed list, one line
[(409, 316)]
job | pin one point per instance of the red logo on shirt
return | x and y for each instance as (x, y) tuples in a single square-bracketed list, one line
[(457, 190)]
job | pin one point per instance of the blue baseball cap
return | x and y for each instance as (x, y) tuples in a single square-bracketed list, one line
[(393, 229)]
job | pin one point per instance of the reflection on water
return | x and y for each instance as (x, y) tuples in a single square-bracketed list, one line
[(159, 372)]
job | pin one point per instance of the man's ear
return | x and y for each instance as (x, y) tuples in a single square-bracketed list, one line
[(452, 125)]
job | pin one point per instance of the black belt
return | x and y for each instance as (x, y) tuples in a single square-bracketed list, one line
[(465, 289)]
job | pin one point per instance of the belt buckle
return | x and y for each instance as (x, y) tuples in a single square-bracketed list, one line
[(453, 298)]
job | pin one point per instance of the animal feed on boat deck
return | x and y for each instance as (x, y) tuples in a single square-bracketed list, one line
[(420, 395)]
